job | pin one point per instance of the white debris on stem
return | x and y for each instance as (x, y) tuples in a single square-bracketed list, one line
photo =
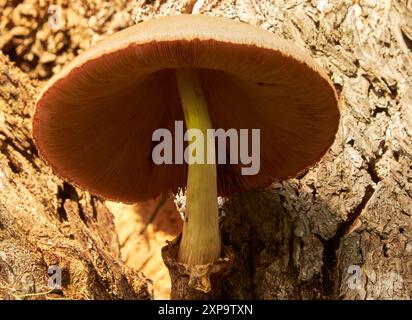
[(180, 203)]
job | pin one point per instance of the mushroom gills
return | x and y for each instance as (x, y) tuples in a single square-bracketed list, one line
[(200, 242)]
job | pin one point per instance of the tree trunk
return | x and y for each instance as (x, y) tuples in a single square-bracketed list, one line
[(46, 224), (342, 230)]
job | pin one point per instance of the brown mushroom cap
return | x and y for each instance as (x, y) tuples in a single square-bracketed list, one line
[(94, 120)]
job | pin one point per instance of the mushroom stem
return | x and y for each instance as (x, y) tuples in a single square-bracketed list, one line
[(200, 243)]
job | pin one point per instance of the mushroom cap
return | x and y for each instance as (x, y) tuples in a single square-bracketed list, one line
[(94, 120)]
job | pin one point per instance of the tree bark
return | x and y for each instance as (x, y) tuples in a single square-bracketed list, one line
[(349, 216), (45, 222), (303, 238)]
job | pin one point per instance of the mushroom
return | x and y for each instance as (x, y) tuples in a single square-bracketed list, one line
[(94, 121)]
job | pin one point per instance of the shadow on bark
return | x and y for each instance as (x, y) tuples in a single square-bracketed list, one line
[(272, 246)]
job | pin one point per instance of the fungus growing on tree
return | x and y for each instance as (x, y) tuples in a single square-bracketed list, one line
[(94, 120)]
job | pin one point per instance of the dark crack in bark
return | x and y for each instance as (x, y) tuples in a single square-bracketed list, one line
[(332, 245)]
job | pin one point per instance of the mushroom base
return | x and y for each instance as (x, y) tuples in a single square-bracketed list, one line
[(196, 282)]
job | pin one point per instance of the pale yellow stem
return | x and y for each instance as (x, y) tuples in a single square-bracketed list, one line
[(200, 243)]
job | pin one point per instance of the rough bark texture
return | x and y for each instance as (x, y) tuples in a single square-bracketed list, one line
[(46, 222), (298, 239)]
